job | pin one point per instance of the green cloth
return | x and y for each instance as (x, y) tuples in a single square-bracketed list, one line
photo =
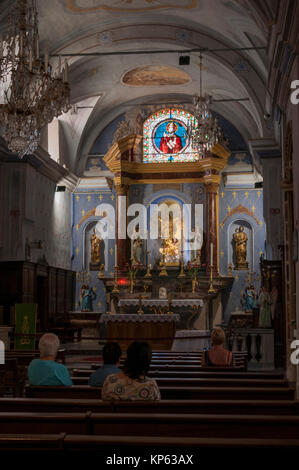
[(25, 320), (41, 372)]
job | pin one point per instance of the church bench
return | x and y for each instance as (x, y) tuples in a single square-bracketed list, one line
[(204, 382), (267, 407), (173, 393), (151, 424), (56, 444), (135, 445), (77, 391), (182, 368), (202, 373), (195, 425), (31, 442), (233, 393)]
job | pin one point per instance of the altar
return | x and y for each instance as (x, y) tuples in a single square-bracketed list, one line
[(197, 308), (188, 309), (157, 330)]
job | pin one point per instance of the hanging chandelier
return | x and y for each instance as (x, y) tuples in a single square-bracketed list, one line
[(204, 131), (30, 94)]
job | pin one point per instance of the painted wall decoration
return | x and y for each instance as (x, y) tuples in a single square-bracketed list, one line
[(240, 207), (89, 6), (85, 221), (165, 137), (155, 75)]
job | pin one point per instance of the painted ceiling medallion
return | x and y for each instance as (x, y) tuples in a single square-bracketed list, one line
[(89, 6), (155, 75)]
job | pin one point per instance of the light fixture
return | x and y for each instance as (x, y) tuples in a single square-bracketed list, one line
[(204, 131), (30, 94)]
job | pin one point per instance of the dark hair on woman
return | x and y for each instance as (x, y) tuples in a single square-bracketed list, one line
[(111, 353), (139, 356)]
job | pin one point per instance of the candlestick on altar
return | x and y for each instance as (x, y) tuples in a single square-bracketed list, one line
[(148, 272), (211, 254), (140, 311), (182, 273), (115, 252), (169, 303), (163, 271), (131, 282), (115, 288), (211, 288)]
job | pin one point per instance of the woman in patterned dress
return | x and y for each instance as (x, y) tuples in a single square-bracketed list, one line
[(132, 383)]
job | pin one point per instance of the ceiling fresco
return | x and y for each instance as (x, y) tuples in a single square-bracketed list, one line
[(155, 75), (88, 6)]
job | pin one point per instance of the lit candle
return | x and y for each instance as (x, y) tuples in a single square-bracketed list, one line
[(115, 251), (211, 255)]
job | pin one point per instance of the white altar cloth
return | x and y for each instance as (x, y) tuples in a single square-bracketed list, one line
[(132, 317), (162, 302)]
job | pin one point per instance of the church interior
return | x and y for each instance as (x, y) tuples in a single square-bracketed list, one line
[(148, 193)]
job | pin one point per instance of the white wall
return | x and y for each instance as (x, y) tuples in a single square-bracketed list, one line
[(30, 208)]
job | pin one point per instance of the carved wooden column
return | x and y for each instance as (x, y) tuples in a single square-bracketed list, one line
[(212, 222), (121, 224)]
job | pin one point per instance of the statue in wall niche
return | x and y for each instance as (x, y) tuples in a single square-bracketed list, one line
[(137, 250), (95, 251), (240, 240)]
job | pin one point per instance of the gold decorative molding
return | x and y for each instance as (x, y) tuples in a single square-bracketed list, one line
[(240, 209), (128, 172)]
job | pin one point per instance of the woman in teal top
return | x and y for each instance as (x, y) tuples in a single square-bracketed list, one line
[(45, 371)]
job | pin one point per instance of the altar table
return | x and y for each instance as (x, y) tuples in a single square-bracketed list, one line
[(157, 330)]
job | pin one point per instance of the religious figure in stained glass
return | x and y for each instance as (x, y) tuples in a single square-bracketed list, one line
[(165, 137), (170, 142)]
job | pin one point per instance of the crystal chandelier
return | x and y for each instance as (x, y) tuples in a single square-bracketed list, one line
[(30, 94), (204, 131)]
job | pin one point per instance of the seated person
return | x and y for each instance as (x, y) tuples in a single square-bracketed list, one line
[(217, 355), (132, 383), (45, 371), (111, 355)]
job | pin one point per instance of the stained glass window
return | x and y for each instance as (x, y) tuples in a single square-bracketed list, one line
[(165, 137)]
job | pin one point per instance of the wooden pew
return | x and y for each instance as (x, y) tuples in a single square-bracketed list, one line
[(32, 442), (172, 393), (204, 382), (201, 373), (235, 393), (152, 424), (66, 405), (137, 445), (74, 444)]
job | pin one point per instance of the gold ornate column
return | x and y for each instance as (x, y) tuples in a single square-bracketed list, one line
[(211, 183)]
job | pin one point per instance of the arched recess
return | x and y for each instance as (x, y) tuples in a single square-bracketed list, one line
[(248, 229), (86, 248), (153, 246)]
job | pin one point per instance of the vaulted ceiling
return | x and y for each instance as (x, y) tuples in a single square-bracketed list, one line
[(120, 26)]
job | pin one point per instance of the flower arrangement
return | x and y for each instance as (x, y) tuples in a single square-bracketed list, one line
[(193, 269), (132, 269)]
